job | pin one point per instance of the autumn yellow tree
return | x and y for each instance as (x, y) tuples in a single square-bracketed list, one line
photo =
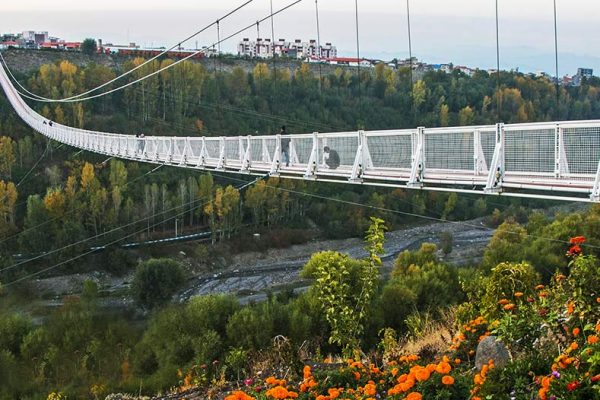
[(7, 156)]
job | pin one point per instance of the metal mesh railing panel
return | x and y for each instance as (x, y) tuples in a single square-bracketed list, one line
[(488, 144), (256, 150), (194, 149), (529, 151), (163, 149), (390, 151), (213, 148), (582, 148), (178, 146), (232, 149), (453, 151), (303, 148)]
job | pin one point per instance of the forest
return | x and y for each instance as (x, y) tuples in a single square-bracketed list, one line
[(57, 204)]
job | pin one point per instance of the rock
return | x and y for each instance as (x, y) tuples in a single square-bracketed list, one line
[(491, 348)]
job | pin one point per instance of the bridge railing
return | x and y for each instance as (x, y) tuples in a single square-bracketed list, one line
[(551, 156)]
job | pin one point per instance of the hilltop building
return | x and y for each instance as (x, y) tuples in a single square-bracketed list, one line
[(582, 73), (265, 48)]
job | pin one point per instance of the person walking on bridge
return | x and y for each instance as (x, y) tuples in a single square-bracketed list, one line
[(285, 146)]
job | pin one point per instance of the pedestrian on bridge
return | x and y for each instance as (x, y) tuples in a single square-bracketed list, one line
[(285, 146), (140, 142), (332, 158)]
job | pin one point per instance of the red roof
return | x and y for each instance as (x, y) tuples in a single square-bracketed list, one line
[(346, 59), (10, 43)]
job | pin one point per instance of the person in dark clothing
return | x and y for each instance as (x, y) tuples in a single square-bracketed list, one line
[(285, 147), (50, 123), (332, 158)]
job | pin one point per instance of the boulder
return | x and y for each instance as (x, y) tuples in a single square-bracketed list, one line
[(491, 348)]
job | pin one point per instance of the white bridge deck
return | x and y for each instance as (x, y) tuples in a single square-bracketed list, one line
[(552, 160)]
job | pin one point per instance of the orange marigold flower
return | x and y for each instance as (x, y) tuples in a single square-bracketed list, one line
[(370, 389), (478, 379), (475, 398), (443, 368), (279, 392), (542, 393), (546, 382), (422, 374), (457, 361), (402, 378), (519, 294), (333, 393), (431, 367), (509, 307), (239, 395), (306, 372), (447, 380), (406, 386), (576, 332), (574, 346), (539, 287), (356, 375), (570, 307), (414, 396), (394, 372), (503, 302), (271, 380), (592, 339)]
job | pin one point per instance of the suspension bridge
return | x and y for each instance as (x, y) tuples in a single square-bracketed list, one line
[(550, 160)]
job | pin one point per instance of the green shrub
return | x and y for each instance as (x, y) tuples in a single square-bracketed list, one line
[(156, 281)]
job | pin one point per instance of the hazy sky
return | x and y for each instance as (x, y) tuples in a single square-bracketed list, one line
[(459, 31)]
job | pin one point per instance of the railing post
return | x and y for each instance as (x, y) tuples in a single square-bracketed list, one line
[(241, 152), (561, 165), (312, 167), (183, 160), (246, 161), (417, 170), (362, 161), (276, 163), (222, 160), (595, 195), (479, 163), (202, 156), (497, 170)]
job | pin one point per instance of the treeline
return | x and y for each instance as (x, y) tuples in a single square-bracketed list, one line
[(72, 201), (188, 99)]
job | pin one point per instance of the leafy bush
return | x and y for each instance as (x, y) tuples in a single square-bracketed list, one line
[(156, 280)]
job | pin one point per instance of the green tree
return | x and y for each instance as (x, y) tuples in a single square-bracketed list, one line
[(345, 287), (156, 280), (88, 46)]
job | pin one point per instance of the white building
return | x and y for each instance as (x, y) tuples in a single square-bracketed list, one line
[(264, 48), (34, 38)]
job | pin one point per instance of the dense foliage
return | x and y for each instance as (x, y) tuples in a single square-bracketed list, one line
[(84, 352)]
